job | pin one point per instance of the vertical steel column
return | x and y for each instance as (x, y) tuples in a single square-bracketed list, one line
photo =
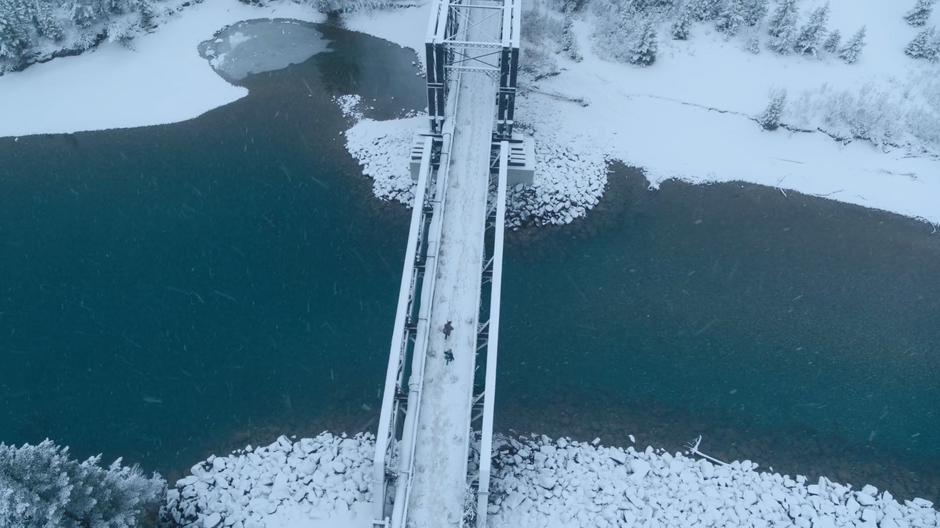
[(434, 113), (440, 62), (503, 98), (508, 70), (435, 64)]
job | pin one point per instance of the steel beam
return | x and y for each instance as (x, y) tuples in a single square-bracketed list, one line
[(492, 346), (397, 352)]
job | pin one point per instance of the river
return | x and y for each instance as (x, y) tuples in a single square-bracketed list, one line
[(172, 291)]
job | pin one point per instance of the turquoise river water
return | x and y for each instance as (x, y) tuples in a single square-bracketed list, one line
[(172, 291)]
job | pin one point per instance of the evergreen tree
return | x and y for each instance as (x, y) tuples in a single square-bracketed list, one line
[(782, 27), (812, 33), (569, 44), (42, 486), (919, 15), (682, 24), (644, 52), (146, 14), (753, 11), (731, 17), (769, 119), (752, 43), (853, 48), (14, 37), (832, 41), (46, 24), (115, 6), (702, 10), (925, 45), (83, 14)]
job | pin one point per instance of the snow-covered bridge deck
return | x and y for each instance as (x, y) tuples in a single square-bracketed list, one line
[(434, 410)]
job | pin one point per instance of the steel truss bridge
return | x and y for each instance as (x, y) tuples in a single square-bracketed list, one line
[(434, 441)]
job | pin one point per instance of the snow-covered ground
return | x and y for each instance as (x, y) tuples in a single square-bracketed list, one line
[(689, 116), (160, 79), (320, 482), (538, 482)]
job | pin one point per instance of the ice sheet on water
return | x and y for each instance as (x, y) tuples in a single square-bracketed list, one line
[(257, 46)]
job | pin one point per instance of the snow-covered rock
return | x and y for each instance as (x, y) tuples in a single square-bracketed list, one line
[(537, 482)]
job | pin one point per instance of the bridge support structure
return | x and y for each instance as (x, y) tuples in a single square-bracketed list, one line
[(495, 53), (465, 37)]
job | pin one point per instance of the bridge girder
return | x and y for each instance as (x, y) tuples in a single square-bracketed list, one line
[(496, 55)]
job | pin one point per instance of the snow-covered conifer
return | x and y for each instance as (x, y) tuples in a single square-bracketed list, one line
[(644, 52), (782, 27), (752, 43), (14, 38), (569, 43), (832, 41), (731, 17), (769, 119), (736, 13), (853, 48), (704, 9), (810, 38), (925, 45), (41, 485), (146, 14), (46, 24), (83, 14), (682, 24), (122, 30), (753, 11), (920, 13)]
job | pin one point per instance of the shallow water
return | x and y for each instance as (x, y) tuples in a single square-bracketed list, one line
[(172, 291)]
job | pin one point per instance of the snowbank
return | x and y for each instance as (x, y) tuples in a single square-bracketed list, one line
[(313, 482), (160, 79), (538, 482), (383, 149), (690, 116), (405, 26), (541, 482)]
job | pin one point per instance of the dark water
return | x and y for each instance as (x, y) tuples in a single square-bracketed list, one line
[(168, 290), (794, 331), (172, 291)]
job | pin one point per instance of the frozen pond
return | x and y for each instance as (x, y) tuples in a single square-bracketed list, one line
[(258, 46)]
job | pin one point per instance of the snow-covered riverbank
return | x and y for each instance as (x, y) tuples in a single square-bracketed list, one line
[(690, 116), (160, 78), (538, 482)]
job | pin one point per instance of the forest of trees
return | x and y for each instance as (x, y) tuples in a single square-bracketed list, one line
[(43, 486), (624, 26), (38, 30), (34, 30)]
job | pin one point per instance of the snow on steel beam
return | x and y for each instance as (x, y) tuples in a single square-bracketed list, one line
[(492, 347), (506, 30), (516, 23), (436, 21), (474, 69), (472, 44), (396, 353)]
